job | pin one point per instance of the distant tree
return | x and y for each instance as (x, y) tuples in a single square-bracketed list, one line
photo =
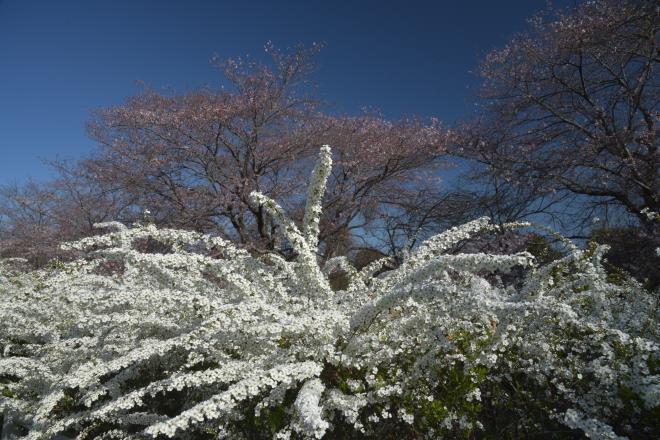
[(632, 251), (193, 159), (36, 217), (491, 185), (577, 101), (27, 229)]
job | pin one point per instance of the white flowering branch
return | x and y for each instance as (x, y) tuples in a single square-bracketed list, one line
[(187, 345), (315, 193)]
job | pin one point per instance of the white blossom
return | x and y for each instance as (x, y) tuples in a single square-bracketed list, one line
[(185, 345)]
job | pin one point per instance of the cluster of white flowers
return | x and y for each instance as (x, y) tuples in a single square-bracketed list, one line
[(204, 340)]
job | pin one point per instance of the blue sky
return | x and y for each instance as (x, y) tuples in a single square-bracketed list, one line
[(61, 59)]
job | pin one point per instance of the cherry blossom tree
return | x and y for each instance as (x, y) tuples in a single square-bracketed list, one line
[(193, 159), (37, 216), (577, 99)]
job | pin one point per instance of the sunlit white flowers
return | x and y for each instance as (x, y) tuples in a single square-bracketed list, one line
[(182, 344)]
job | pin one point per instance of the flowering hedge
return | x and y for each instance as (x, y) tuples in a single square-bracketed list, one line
[(126, 344)]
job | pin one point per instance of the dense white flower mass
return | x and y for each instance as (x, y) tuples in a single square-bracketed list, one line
[(125, 344)]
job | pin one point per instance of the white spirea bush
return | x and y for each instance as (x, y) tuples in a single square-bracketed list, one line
[(126, 344)]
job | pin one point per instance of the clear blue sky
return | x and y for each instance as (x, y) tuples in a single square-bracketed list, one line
[(59, 59)]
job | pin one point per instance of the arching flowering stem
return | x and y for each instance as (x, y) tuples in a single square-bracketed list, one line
[(315, 195), (305, 242)]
